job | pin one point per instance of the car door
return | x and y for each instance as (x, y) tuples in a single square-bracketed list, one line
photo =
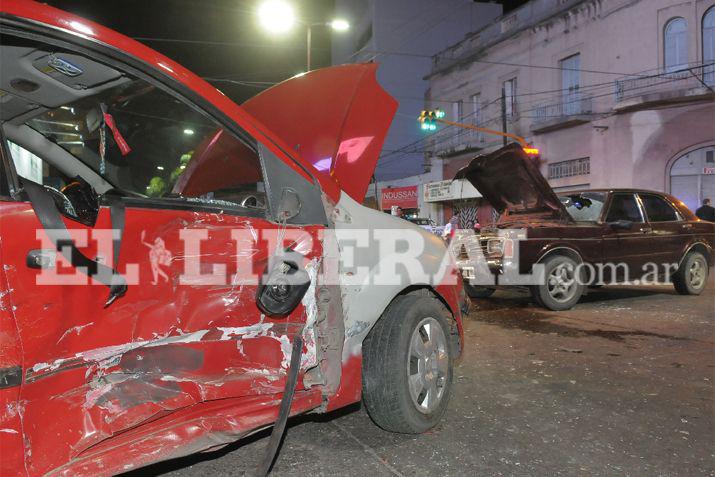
[(669, 230), (200, 228), (626, 240)]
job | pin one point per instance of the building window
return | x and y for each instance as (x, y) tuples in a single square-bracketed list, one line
[(570, 168), (675, 44), (570, 84), (458, 110), (477, 115), (509, 91), (709, 46)]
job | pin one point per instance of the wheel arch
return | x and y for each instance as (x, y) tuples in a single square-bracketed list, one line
[(455, 335), (701, 247), (563, 250)]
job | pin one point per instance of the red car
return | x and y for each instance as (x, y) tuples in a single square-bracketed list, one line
[(137, 206)]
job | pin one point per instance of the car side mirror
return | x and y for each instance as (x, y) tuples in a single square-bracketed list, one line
[(77, 201), (289, 205), (283, 286), (621, 225)]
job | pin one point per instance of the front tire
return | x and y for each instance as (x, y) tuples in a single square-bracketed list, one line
[(407, 365), (692, 275), (562, 289)]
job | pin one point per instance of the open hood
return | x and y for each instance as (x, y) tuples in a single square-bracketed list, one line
[(336, 118), (511, 182)]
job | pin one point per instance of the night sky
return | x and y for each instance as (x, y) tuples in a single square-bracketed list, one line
[(245, 52)]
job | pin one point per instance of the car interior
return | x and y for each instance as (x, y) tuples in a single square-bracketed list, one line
[(66, 116)]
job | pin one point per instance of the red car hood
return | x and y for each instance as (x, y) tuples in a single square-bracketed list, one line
[(336, 118), (510, 180)]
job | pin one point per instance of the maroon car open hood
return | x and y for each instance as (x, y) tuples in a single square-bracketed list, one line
[(336, 118), (510, 180)]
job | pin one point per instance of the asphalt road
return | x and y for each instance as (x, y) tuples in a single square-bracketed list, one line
[(620, 385)]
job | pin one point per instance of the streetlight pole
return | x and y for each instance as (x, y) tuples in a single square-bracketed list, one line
[(278, 16), (310, 37)]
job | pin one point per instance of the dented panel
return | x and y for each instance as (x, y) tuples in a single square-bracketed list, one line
[(187, 338)]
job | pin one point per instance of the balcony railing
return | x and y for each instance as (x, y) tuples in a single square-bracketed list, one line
[(686, 77), (575, 104)]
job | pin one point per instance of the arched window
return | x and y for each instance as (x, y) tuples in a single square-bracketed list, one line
[(676, 44), (709, 46)]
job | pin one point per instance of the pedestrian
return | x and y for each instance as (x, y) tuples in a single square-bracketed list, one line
[(450, 229), (706, 212)]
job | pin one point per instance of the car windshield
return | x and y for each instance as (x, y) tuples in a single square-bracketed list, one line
[(584, 206), (149, 143), (117, 130)]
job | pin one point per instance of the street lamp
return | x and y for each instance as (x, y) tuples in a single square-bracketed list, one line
[(277, 16)]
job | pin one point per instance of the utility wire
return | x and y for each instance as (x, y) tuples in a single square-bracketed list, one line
[(224, 43), (521, 114), (506, 63)]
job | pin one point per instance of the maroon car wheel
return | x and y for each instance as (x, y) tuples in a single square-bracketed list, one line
[(692, 275)]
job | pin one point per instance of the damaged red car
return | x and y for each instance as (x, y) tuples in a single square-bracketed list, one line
[(179, 271)]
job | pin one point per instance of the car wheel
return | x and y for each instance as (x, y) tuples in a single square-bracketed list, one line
[(478, 292), (692, 275), (407, 365), (562, 290)]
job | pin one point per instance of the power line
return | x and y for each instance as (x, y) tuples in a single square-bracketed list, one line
[(446, 137), (224, 43), (505, 63)]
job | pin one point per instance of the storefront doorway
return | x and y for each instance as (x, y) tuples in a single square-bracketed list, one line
[(692, 176)]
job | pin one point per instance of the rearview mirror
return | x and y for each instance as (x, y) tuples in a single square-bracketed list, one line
[(77, 201), (289, 206), (621, 225)]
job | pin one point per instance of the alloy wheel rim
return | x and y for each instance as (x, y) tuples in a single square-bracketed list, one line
[(696, 273), (561, 282), (427, 365)]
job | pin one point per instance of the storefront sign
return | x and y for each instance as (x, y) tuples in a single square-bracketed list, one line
[(708, 170), (449, 190), (405, 197)]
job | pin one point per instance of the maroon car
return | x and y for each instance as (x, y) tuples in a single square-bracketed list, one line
[(558, 245)]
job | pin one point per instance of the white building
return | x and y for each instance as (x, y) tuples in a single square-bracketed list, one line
[(614, 93)]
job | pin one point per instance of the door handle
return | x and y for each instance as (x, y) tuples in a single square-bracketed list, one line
[(41, 258), (687, 226), (645, 230)]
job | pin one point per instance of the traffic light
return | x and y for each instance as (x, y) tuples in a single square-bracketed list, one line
[(428, 119)]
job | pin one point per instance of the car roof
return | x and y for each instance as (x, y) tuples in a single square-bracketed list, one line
[(33, 14)]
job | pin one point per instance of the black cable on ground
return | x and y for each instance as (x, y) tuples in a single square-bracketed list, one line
[(284, 412)]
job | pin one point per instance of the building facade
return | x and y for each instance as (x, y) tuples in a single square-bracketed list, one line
[(614, 93), (409, 194), (402, 36)]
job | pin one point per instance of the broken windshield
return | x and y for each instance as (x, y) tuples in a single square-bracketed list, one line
[(584, 206)]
